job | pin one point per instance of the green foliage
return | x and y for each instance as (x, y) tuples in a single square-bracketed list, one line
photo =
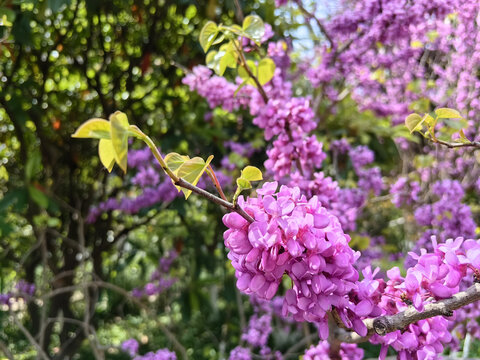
[(253, 27), (113, 135), (231, 55), (191, 170), (207, 35), (451, 119), (248, 174)]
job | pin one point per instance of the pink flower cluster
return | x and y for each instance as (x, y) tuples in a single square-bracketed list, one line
[(298, 237), (437, 275), (322, 352)]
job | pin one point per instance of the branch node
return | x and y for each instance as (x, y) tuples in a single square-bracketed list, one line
[(381, 326)]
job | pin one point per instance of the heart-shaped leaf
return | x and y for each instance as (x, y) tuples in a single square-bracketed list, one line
[(93, 128), (174, 161), (253, 26), (446, 113), (413, 122), (191, 171), (251, 173), (119, 134), (266, 70), (207, 35)]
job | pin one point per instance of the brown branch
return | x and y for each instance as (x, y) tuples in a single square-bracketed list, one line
[(214, 199), (474, 144), (389, 323)]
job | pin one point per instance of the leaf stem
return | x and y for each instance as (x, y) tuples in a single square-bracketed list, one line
[(212, 175)]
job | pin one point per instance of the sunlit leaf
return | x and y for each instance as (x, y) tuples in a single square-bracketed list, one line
[(213, 61), (266, 70), (93, 128), (253, 26), (192, 170), (207, 35), (106, 153), (413, 122), (243, 184), (174, 161), (446, 113), (119, 135), (251, 173)]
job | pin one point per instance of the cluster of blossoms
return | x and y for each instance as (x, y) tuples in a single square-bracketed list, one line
[(292, 236), (445, 217), (159, 280), (22, 290), (130, 346), (436, 275), (322, 352)]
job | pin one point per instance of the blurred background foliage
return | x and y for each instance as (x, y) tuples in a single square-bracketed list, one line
[(62, 62)]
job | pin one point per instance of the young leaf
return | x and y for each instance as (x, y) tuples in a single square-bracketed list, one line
[(213, 60), (253, 26), (106, 153), (174, 161), (119, 134), (228, 60), (191, 171), (93, 128), (463, 138), (446, 113), (207, 35), (243, 184), (266, 69), (413, 122), (251, 173)]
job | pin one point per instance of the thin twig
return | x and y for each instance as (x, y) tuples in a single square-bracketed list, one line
[(309, 16), (29, 336), (475, 144)]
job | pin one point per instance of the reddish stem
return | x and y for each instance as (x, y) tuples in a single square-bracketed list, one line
[(212, 175)]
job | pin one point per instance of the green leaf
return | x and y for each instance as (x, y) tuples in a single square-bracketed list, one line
[(244, 74), (251, 173), (191, 171), (174, 161), (266, 69), (93, 128), (463, 138), (413, 122), (119, 135), (106, 153), (207, 35), (446, 113), (253, 26), (456, 124), (38, 196), (213, 61), (243, 184), (228, 60)]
